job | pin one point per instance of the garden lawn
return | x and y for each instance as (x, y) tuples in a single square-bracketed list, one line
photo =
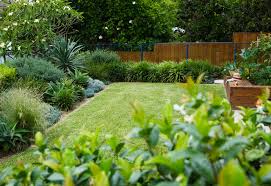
[(110, 112)]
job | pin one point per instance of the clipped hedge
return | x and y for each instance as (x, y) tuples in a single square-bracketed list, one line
[(166, 72)]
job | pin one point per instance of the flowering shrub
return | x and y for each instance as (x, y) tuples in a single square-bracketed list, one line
[(206, 146), (27, 27)]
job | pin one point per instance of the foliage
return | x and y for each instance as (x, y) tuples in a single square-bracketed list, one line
[(28, 27), (101, 56), (11, 138), (216, 20), (7, 75), (262, 76), (205, 146), (62, 94), (64, 54), (166, 72), (52, 114), (96, 85), (23, 108), (80, 78), (259, 51), (125, 21), (36, 68)]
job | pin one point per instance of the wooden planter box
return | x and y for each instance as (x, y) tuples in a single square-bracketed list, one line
[(243, 94)]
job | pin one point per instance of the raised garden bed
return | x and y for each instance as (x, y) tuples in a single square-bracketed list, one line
[(243, 93)]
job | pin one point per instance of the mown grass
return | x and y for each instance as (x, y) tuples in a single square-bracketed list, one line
[(109, 112)]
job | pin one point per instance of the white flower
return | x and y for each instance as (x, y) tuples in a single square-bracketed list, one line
[(9, 44), (15, 24), (36, 20), (67, 8), (2, 45), (5, 29), (43, 40), (131, 21), (19, 48), (106, 28), (10, 13), (179, 109), (188, 119), (134, 2), (118, 28), (101, 37), (178, 30)]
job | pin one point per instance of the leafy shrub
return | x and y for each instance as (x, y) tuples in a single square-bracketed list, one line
[(103, 56), (261, 76), (206, 146), (28, 27), (52, 114), (142, 72), (167, 72), (23, 108), (36, 68), (7, 75), (64, 54), (80, 78), (89, 92), (96, 85), (11, 138), (62, 94)]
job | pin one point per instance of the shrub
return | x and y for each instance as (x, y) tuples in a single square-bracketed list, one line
[(28, 27), (52, 114), (11, 138), (64, 54), (142, 72), (7, 75), (23, 108), (169, 72), (103, 56), (80, 78), (205, 146), (96, 85), (117, 72), (89, 92), (62, 94), (36, 68), (262, 76), (35, 85), (98, 71)]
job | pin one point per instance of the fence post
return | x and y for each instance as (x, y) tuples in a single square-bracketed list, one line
[(141, 52), (187, 52), (234, 53)]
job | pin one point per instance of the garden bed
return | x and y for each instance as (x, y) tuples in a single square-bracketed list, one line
[(242, 92)]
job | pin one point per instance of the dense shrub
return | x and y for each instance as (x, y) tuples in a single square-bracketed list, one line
[(96, 85), (36, 68), (102, 56), (28, 27), (205, 146), (7, 75), (64, 54), (167, 72), (80, 78), (23, 108), (62, 94), (52, 114), (261, 76), (89, 92)]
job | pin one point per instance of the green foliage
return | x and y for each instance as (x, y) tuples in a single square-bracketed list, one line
[(7, 75), (11, 138), (167, 72), (262, 76), (96, 85), (29, 27), (80, 78), (214, 20), (36, 68), (101, 56), (23, 108), (125, 21), (205, 146), (62, 94), (64, 54)]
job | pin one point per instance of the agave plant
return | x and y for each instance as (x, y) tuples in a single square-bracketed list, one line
[(64, 54)]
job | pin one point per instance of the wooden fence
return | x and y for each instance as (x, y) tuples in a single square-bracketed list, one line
[(218, 53)]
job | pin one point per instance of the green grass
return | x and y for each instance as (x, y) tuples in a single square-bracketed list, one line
[(109, 112)]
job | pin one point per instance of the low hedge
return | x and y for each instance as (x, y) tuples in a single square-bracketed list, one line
[(166, 72)]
